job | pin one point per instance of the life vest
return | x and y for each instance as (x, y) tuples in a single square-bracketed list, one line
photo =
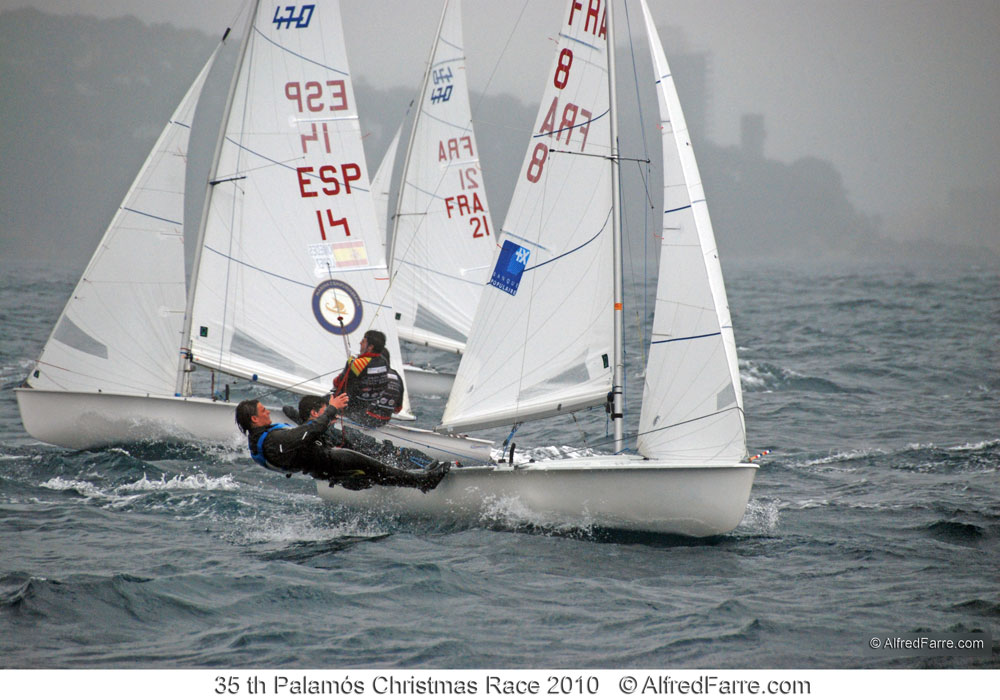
[(389, 399), (257, 451), (365, 379)]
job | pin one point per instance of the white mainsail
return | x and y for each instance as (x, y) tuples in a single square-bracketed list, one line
[(443, 238), (290, 269), (541, 342), (121, 329), (692, 406)]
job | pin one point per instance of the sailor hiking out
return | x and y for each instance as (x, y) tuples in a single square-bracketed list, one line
[(303, 449)]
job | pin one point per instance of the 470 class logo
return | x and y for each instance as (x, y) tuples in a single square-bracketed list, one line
[(301, 19), (337, 307)]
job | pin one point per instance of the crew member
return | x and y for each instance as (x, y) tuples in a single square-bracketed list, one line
[(288, 449), (365, 380)]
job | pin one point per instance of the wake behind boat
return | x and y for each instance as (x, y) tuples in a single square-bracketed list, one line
[(548, 334)]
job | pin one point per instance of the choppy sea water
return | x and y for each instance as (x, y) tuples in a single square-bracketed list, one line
[(877, 513)]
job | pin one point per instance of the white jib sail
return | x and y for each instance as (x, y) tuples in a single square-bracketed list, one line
[(121, 329), (541, 341), (443, 238), (692, 406), (291, 269)]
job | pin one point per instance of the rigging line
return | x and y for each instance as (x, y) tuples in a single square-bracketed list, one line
[(636, 434), (645, 182), (583, 434), (291, 387), (496, 65), (644, 176), (567, 37), (277, 276), (95, 377), (439, 273), (272, 161), (737, 408), (598, 155)]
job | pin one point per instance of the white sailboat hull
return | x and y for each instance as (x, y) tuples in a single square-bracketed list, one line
[(616, 492), (84, 420)]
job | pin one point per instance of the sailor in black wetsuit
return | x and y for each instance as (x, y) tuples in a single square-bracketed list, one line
[(345, 436), (288, 449)]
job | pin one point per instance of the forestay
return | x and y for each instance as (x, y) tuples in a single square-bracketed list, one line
[(541, 341), (692, 406), (120, 331), (443, 238), (290, 263)]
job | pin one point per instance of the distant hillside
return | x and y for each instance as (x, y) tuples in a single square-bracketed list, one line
[(84, 99), (83, 102)]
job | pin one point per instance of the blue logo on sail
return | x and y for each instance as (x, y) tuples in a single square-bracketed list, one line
[(301, 20), (510, 266)]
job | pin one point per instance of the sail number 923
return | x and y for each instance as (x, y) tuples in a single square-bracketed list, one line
[(553, 685)]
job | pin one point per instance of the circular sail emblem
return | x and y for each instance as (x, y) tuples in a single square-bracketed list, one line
[(337, 307)]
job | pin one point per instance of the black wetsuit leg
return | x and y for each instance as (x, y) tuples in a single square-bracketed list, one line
[(356, 470)]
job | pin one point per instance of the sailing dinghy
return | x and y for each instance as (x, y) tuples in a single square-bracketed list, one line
[(108, 371), (288, 271), (547, 338)]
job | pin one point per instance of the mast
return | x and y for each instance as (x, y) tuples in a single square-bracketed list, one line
[(183, 386), (618, 376)]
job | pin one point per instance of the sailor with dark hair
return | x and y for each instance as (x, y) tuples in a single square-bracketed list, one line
[(287, 449), (375, 389)]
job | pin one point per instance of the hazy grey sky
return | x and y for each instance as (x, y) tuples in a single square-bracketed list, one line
[(902, 96)]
